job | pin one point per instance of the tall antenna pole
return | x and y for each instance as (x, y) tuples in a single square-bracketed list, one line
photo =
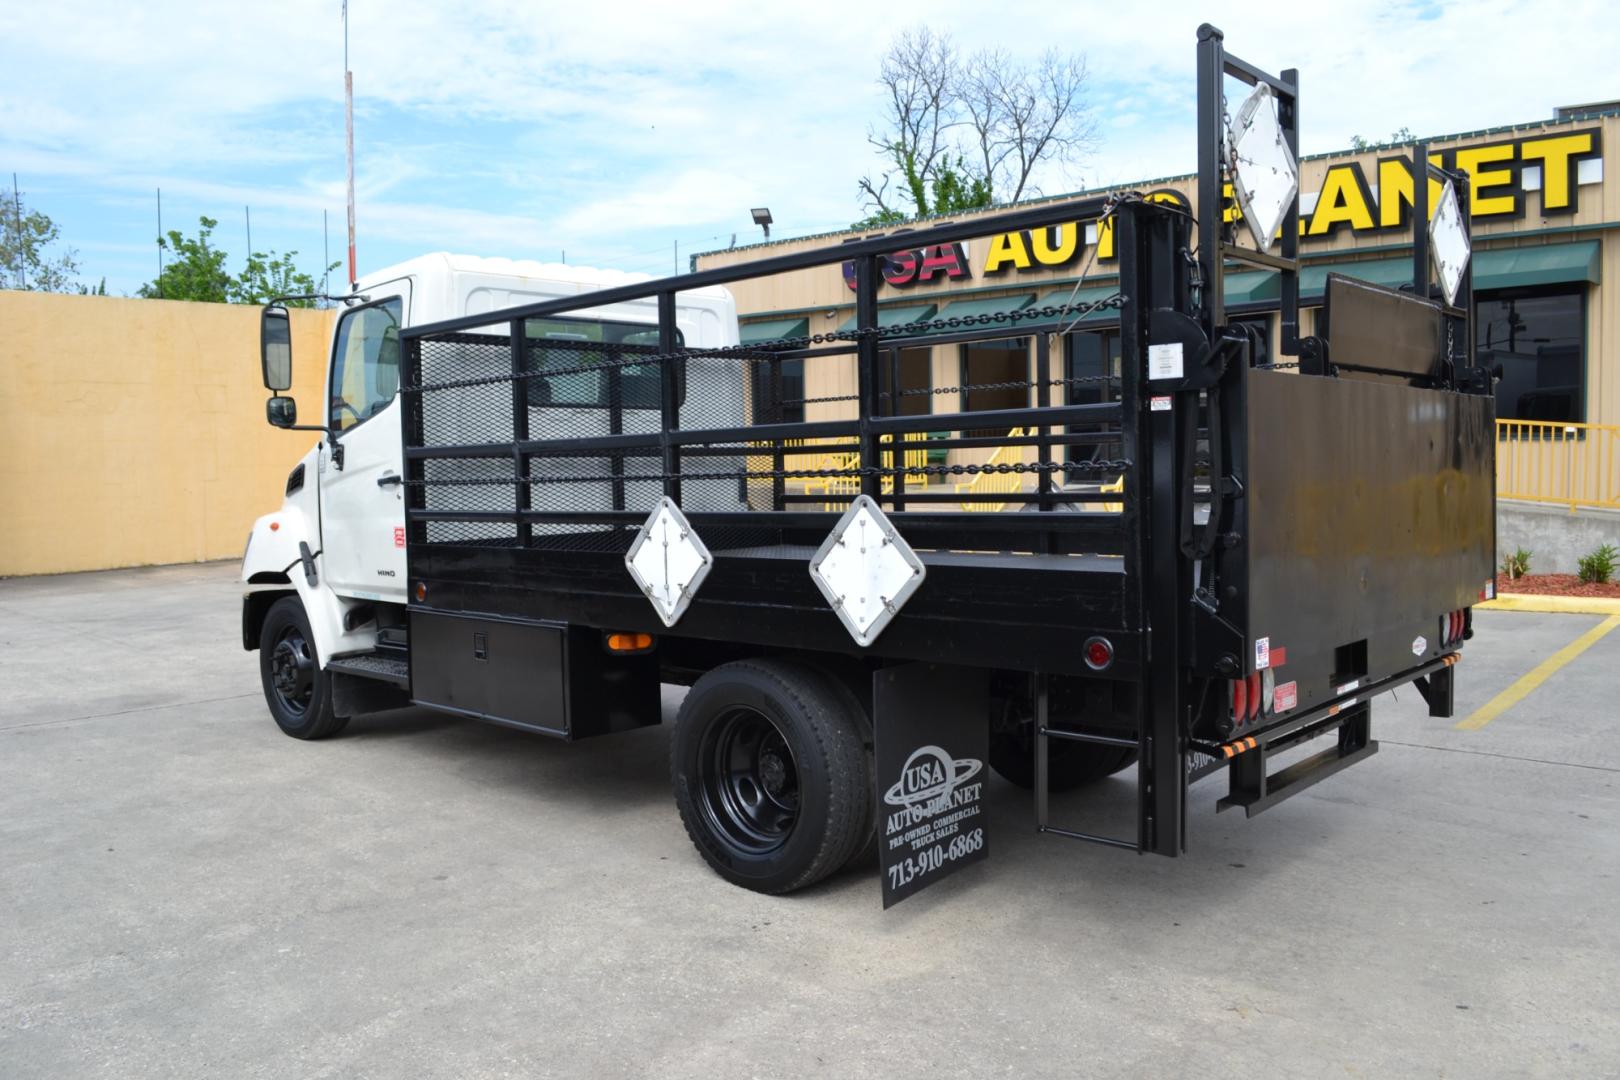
[(348, 132), (160, 243), (247, 216), (22, 264), (326, 257)]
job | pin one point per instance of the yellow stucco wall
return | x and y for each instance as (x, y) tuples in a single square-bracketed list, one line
[(132, 432)]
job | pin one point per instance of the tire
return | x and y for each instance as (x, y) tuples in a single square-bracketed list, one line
[(1069, 764), (296, 688), (772, 775), (844, 682)]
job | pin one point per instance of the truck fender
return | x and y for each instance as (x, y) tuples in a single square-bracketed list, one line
[(281, 549)]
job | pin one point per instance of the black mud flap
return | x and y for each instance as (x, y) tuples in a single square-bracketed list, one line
[(932, 735)]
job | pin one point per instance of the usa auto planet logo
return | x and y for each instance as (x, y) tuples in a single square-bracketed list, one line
[(930, 780)]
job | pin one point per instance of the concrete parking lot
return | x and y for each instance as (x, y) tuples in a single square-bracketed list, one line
[(185, 892)]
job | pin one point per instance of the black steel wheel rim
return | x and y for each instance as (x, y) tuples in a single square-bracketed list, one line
[(292, 671), (748, 782)]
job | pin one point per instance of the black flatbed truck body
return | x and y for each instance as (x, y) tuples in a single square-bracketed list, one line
[(1339, 514)]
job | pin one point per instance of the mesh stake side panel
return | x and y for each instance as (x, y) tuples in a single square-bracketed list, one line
[(567, 441)]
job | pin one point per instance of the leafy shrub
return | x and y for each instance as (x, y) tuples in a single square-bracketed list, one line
[(1516, 565), (1596, 568)]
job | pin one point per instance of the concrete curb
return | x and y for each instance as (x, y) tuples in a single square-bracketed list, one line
[(1565, 605)]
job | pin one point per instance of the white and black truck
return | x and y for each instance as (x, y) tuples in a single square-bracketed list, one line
[(539, 494)]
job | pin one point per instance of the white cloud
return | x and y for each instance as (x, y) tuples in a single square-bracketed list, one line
[(520, 125)]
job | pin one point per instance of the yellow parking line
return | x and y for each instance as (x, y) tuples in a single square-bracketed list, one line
[(1574, 605), (1543, 671)]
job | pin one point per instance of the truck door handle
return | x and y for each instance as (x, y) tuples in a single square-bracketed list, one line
[(388, 480)]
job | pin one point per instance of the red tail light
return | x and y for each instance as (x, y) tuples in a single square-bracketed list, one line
[(1240, 700), (1099, 653), (1452, 626), (1254, 695)]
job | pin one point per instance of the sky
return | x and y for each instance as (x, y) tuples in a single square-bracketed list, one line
[(632, 134)]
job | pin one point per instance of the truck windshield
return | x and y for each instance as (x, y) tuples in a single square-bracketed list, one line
[(590, 358)]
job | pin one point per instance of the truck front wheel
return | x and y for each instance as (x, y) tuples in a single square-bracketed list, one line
[(771, 774), (298, 692)]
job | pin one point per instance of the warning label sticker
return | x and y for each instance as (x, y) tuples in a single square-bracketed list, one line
[(1159, 403), (1165, 361), (399, 536), (1286, 697), (1262, 653), (1420, 645)]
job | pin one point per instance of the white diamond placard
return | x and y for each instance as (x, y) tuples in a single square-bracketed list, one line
[(1448, 242), (1265, 176), (668, 561), (866, 570)]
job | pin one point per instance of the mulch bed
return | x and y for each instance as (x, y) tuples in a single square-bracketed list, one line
[(1556, 585)]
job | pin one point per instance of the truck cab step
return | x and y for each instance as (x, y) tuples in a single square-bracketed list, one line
[(388, 666)]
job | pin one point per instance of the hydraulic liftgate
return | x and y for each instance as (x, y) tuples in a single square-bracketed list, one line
[(539, 441)]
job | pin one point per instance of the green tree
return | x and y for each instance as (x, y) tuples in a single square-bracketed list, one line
[(196, 271), (1358, 144), (267, 276), (25, 262)]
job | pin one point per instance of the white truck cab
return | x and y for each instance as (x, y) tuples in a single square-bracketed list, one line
[(335, 550)]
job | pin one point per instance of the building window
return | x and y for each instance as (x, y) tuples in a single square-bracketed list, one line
[(993, 375), (915, 370), (778, 391), (1092, 355), (987, 363), (1539, 338)]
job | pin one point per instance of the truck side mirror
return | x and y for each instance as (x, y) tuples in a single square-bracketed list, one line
[(275, 349), (281, 411)]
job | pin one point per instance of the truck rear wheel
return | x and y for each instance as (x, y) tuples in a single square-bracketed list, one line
[(771, 774), (1069, 764), (297, 690)]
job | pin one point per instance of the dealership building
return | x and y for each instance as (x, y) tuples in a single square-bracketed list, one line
[(1544, 220)]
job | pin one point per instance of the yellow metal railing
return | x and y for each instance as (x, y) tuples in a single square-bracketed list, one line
[(840, 489), (1568, 464), (994, 483)]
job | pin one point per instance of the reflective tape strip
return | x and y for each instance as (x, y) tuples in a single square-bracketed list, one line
[(1233, 749)]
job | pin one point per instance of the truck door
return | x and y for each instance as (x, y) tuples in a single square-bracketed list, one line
[(362, 499)]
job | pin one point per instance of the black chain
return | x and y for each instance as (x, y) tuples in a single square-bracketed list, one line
[(1118, 465), (1078, 380), (823, 400), (759, 350)]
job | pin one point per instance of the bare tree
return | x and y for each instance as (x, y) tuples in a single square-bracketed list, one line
[(920, 76), (964, 134), (1021, 116)]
